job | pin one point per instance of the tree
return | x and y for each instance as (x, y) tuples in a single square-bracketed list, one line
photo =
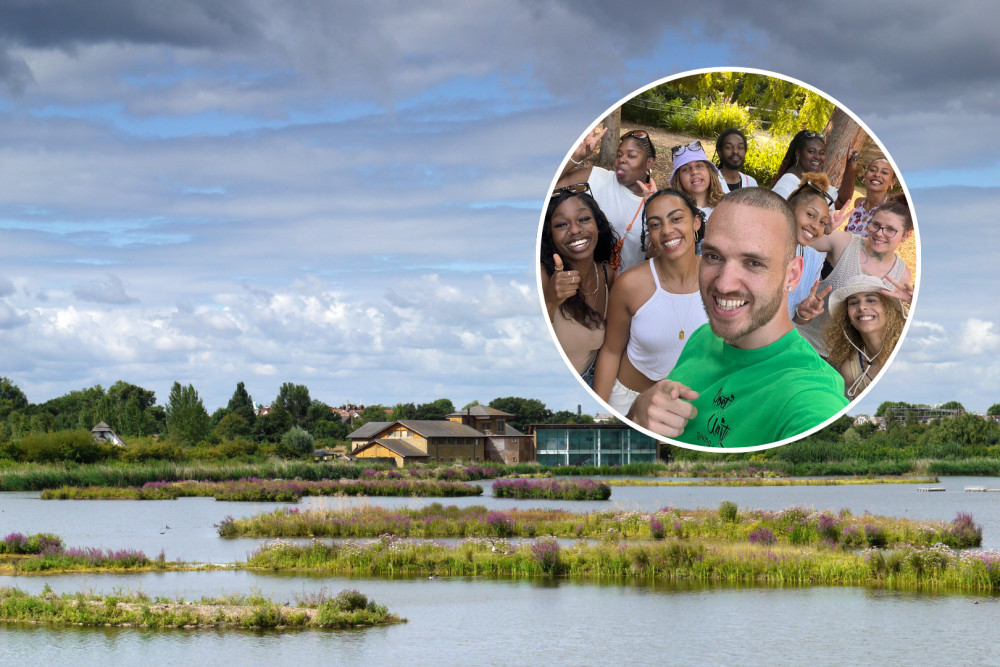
[(403, 411), (953, 405), (241, 403), (233, 426), (294, 399), (187, 420), (436, 410), (993, 410), (525, 410), (610, 140), (843, 136), (297, 441), (11, 398)]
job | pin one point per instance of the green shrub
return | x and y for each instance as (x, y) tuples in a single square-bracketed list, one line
[(764, 157), (710, 121), (77, 446), (727, 511)]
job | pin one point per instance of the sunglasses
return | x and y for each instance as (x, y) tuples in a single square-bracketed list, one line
[(575, 189), (638, 134), (809, 134), (682, 148), (810, 184), (875, 228)]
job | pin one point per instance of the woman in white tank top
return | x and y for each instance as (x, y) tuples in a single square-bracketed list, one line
[(654, 307)]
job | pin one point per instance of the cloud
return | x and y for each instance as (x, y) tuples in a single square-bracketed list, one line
[(978, 337), (103, 290), (6, 287)]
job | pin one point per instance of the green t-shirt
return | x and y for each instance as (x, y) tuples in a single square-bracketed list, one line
[(755, 397)]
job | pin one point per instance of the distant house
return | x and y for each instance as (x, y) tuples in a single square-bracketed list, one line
[(324, 455), (417, 441), (104, 433)]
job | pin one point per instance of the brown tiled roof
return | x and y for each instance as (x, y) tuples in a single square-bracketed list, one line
[(367, 430), (396, 446)]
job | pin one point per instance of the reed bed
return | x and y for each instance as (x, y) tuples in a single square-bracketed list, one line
[(348, 609), (46, 553), (792, 526), (267, 490), (776, 481), (672, 559), (551, 489)]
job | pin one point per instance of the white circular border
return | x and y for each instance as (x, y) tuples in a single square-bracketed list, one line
[(899, 179)]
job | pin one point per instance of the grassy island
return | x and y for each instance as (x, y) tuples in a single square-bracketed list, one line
[(348, 609), (793, 526), (551, 489), (267, 490)]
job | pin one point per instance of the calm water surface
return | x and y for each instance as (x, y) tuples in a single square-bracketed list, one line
[(461, 621)]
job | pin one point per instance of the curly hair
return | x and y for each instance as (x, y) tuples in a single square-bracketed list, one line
[(715, 193), (840, 333), (688, 201), (576, 306), (807, 188), (798, 141)]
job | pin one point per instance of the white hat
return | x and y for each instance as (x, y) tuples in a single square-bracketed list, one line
[(861, 284)]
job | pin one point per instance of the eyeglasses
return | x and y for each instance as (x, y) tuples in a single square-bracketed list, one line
[(681, 148), (809, 134), (575, 189), (875, 228), (810, 184)]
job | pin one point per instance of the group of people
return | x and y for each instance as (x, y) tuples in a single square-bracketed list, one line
[(801, 315)]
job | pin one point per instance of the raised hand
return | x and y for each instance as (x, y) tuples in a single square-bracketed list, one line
[(564, 283), (813, 305), (588, 146), (647, 189), (903, 292), (665, 408)]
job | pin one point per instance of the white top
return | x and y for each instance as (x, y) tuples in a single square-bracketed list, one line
[(747, 181), (619, 204), (654, 341)]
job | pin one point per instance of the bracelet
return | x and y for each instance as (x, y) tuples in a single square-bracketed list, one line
[(575, 162)]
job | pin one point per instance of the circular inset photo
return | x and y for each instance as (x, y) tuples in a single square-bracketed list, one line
[(728, 259)]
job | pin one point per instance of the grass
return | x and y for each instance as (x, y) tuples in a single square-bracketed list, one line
[(935, 567), (348, 609), (551, 489), (794, 525), (776, 481), (267, 490)]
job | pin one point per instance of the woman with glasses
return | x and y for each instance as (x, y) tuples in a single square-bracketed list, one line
[(853, 255), (655, 306), (697, 177), (807, 152), (619, 192), (862, 331), (577, 243)]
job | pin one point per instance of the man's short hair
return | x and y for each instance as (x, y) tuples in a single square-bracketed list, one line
[(769, 201)]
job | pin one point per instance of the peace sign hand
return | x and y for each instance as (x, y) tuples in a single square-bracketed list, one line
[(813, 305), (588, 146), (903, 292)]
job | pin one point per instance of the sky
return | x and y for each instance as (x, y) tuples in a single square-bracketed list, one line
[(347, 195)]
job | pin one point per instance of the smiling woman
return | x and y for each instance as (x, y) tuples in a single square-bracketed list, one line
[(719, 343)]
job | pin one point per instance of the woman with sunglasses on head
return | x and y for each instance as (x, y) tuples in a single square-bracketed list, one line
[(697, 177), (862, 331), (619, 192), (878, 180), (577, 242), (853, 255), (655, 306), (807, 152)]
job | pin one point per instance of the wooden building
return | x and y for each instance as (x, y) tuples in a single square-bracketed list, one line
[(418, 440)]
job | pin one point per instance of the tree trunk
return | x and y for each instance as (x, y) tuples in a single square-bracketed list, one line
[(609, 142), (843, 137)]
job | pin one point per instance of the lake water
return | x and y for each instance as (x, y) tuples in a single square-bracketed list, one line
[(463, 621)]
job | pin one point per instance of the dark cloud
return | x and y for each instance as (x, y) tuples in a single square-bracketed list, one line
[(103, 290)]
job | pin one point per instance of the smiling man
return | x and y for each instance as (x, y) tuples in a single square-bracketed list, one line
[(747, 378), (731, 155)]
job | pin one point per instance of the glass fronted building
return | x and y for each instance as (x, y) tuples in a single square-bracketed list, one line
[(592, 444)]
